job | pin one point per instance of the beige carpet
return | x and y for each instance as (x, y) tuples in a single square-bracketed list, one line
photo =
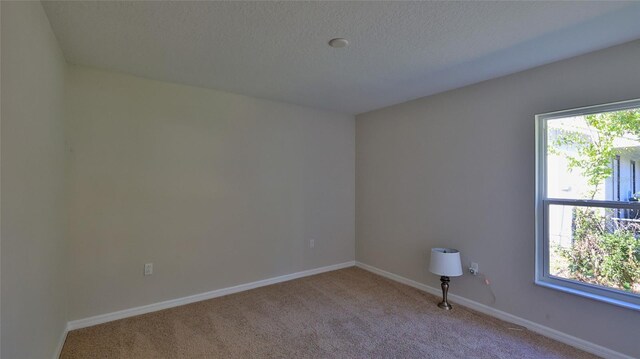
[(348, 313)]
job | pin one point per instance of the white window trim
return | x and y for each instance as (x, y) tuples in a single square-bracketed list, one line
[(542, 202)]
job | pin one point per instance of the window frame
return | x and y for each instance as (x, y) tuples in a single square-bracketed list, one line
[(616, 174), (632, 169), (542, 204)]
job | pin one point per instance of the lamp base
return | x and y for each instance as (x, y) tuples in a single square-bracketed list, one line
[(445, 288)]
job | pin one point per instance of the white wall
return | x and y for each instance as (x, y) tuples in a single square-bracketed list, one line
[(215, 189), (32, 213), (219, 189), (457, 169)]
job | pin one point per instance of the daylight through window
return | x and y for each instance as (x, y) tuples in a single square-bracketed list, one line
[(587, 209)]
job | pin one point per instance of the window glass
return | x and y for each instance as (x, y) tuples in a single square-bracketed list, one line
[(588, 208), (589, 157)]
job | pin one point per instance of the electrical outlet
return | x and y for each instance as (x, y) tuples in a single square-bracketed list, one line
[(312, 243), (148, 269), (473, 268)]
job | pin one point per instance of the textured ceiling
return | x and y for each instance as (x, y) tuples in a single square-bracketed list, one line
[(278, 50)]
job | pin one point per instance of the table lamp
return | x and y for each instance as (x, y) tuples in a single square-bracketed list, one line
[(445, 262)]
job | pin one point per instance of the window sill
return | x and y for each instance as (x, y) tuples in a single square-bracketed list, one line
[(552, 283)]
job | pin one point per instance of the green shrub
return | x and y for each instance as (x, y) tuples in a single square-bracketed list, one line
[(601, 254), (621, 262)]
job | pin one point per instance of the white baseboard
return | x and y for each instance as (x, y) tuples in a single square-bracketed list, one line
[(534, 327), (121, 314), (63, 337)]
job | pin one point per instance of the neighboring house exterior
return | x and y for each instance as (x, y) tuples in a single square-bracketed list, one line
[(623, 185)]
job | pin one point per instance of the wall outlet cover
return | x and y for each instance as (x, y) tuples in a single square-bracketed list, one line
[(148, 269)]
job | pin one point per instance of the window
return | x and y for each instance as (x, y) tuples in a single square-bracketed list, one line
[(632, 172), (616, 171), (587, 212)]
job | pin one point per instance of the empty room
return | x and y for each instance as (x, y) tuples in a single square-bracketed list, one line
[(320, 179)]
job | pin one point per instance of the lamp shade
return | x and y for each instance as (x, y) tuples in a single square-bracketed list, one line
[(445, 262)]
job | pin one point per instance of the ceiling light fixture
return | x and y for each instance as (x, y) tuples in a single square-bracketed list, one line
[(338, 42)]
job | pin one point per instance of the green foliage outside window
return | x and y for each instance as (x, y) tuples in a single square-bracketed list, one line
[(601, 254), (604, 251)]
